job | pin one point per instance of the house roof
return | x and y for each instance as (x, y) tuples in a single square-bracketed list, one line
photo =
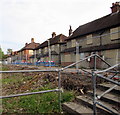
[(59, 39), (30, 46), (108, 21)]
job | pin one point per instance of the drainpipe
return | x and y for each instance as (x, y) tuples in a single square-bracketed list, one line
[(101, 37), (26, 57), (20, 57), (35, 58), (59, 55), (77, 56), (49, 53)]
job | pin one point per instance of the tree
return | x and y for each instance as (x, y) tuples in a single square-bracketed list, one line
[(1, 54)]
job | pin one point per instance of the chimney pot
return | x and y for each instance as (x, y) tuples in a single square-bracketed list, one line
[(115, 7), (26, 44), (113, 4), (32, 40), (117, 3)]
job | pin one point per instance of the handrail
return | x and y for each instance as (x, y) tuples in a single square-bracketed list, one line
[(103, 60), (31, 93), (107, 69), (25, 71), (110, 80), (107, 91), (77, 62)]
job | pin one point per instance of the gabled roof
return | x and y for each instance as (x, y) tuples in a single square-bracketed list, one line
[(108, 21), (30, 46), (59, 39)]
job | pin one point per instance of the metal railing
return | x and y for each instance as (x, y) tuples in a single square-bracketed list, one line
[(39, 92), (95, 73)]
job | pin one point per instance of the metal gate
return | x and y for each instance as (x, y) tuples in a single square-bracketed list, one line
[(94, 73)]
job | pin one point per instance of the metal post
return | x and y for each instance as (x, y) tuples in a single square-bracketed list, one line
[(1, 108), (49, 53), (20, 57), (94, 87), (59, 87), (77, 56), (94, 93), (100, 40), (95, 62), (26, 57)]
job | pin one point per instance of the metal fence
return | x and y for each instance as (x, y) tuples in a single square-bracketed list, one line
[(94, 73)]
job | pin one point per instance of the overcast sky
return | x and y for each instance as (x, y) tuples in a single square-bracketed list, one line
[(21, 20)]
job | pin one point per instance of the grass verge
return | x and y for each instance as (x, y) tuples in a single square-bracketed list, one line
[(40, 103)]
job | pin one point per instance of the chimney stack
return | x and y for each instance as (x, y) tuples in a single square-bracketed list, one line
[(70, 31), (32, 40), (53, 34), (115, 7)]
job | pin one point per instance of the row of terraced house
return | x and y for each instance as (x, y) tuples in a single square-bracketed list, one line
[(101, 36)]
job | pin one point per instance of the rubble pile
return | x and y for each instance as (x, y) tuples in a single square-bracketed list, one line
[(76, 82), (25, 82)]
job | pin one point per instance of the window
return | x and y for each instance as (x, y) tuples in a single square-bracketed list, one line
[(39, 51), (53, 48), (45, 49), (69, 44), (73, 43), (89, 39), (67, 58), (22, 53), (82, 55), (114, 33), (30, 52)]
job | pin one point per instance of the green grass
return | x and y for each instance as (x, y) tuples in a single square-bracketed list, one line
[(36, 104), (40, 103), (14, 79), (4, 68)]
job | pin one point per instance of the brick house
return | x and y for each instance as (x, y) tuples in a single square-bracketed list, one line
[(101, 36), (53, 46), (27, 51)]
